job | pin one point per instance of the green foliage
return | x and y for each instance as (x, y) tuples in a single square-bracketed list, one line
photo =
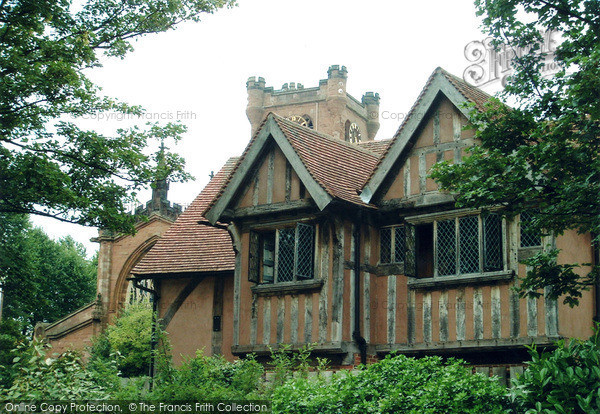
[(48, 165), (544, 152), (43, 280), (206, 378), (10, 338), (127, 341), (396, 384), (561, 278), (286, 363), (40, 377), (566, 380)]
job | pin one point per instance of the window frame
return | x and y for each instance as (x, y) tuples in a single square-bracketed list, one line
[(522, 230), (393, 230), (260, 233), (456, 215), (458, 245)]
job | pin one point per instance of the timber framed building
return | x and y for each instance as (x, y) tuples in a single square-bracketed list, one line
[(319, 234)]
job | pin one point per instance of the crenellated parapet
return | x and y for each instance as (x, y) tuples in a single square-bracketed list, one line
[(328, 107)]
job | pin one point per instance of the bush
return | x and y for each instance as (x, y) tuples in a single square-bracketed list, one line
[(10, 337), (566, 380), (205, 378), (396, 384), (39, 377), (127, 341)]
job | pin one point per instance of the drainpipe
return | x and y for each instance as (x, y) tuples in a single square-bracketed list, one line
[(153, 339), (356, 335)]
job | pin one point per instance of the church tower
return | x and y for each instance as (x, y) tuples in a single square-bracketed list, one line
[(326, 108)]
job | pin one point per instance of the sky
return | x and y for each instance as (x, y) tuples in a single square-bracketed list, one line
[(197, 73)]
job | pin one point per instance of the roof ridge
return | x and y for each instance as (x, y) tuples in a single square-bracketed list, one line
[(453, 78), (374, 141)]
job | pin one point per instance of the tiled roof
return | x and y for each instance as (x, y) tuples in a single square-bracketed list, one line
[(224, 185), (189, 247), (339, 167), (470, 93), (341, 176), (378, 147)]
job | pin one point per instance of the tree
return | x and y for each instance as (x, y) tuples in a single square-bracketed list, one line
[(42, 279), (48, 165), (541, 155)]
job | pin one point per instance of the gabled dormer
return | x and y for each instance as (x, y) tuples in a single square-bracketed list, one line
[(287, 167), (434, 130)]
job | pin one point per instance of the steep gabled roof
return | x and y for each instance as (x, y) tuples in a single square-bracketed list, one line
[(328, 167), (378, 147), (455, 89), (340, 167), (189, 247)]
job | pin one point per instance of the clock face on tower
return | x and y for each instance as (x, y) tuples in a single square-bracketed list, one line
[(354, 133), (303, 120)]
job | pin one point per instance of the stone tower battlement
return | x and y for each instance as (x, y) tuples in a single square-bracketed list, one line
[(327, 108)]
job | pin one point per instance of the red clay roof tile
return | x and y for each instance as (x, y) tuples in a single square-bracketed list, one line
[(341, 168), (378, 147), (189, 247)]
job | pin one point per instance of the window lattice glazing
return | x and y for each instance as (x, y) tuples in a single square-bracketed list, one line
[(529, 238), (469, 244), (399, 244), (305, 252), (285, 259), (446, 247), (492, 243), (385, 242)]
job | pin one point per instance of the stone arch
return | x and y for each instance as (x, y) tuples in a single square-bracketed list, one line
[(120, 292)]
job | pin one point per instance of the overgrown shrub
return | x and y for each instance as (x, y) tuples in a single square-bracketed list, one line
[(10, 337), (398, 384), (127, 341), (205, 378), (285, 364), (566, 380), (42, 377)]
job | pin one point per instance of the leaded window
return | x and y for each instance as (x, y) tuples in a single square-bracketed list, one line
[(392, 244), (282, 255), (529, 237), (456, 246)]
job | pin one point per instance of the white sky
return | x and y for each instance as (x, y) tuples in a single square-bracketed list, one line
[(390, 47)]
